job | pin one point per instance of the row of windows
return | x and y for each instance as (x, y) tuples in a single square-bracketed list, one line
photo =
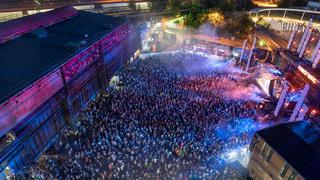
[(114, 38), (41, 115), (115, 51), (113, 65), (17, 162), (38, 141), (284, 171), (87, 93), (267, 152), (48, 130)]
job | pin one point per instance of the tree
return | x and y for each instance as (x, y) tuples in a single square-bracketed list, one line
[(237, 25), (262, 23), (215, 17), (246, 24), (225, 16), (196, 16)]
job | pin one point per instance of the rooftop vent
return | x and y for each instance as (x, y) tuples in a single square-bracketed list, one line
[(83, 42), (39, 33), (107, 26), (70, 46)]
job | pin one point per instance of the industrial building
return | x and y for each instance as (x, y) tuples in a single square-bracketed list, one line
[(52, 64), (286, 151)]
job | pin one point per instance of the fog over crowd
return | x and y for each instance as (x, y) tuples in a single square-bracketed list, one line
[(170, 116)]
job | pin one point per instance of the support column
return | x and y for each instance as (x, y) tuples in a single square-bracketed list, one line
[(284, 14), (304, 35), (251, 53), (281, 99), (269, 13), (66, 104), (302, 16), (299, 103), (302, 112), (305, 43), (244, 47), (293, 34), (316, 61), (315, 52)]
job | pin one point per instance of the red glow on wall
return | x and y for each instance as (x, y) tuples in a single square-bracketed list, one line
[(114, 37), (21, 105), (27, 101), (79, 62)]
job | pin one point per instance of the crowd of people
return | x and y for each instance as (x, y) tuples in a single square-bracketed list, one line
[(161, 122)]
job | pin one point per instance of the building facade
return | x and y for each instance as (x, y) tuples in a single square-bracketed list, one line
[(287, 151), (32, 118)]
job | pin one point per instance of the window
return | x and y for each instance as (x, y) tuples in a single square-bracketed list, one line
[(267, 152), (38, 140), (284, 170), (254, 141), (292, 175), (264, 150), (270, 153), (24, 155), (76, 105)]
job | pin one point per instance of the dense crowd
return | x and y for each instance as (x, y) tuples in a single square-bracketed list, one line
[(160, 122)]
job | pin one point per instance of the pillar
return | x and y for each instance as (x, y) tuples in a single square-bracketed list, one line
[(243, 50), (315, 52), (281, 99), (251, 53), (284, 14), (299, 103), (293, 34), (305, 43), (302, 112), (302, 16), (304, 35), (316, 61)]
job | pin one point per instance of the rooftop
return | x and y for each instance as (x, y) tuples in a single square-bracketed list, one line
[(298, 143), (34, 54)]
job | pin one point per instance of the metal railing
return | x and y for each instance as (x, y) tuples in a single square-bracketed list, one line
[(286, 13)]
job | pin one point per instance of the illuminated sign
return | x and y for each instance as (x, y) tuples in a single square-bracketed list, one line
[(309, 76)]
